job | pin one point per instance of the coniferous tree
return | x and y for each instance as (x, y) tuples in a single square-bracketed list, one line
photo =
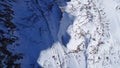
[(7, 37)]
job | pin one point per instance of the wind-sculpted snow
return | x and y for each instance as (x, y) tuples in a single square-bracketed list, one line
[(94, 36)]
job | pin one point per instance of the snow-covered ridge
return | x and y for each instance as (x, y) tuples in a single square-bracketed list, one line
[(94, 36)]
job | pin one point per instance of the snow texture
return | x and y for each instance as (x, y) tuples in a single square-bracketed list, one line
[(94, 36), (59, 33)]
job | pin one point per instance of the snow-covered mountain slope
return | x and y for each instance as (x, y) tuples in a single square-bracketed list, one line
[(26, 28), (59, 33), (94, 27)]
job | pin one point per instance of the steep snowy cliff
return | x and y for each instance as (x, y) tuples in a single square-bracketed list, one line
[(59, 33), (94, 36)]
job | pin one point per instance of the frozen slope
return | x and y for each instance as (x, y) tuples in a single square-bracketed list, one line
[(94, 36), (26, 28), (37, 24), (56, 34)]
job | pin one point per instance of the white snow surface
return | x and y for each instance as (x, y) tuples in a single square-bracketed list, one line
[(94, 32)]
